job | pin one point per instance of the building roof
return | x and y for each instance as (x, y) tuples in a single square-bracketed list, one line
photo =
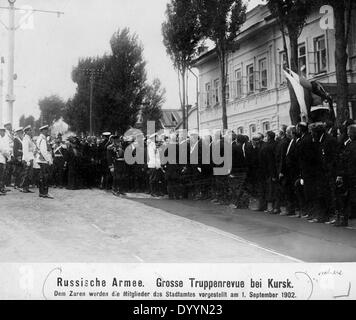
[(171, 117), (256, 18)]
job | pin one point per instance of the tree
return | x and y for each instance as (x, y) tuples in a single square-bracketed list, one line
[(220, 21), (118, 91), (291, 16), (152, 105), (181, 36), (27, 121), (51, 108), (342, 14)]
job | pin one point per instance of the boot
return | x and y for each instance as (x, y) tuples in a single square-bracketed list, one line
[(342, 221)]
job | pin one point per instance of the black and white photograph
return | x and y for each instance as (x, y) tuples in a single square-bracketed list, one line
[(150, 149)]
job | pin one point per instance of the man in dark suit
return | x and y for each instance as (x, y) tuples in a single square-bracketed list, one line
[(289, 171), (347, 178), (269, 171), (281, 150), (17, 152), (309, 168)]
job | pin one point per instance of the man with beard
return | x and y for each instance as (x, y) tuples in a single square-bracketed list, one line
[(269, 171), (254, 177)]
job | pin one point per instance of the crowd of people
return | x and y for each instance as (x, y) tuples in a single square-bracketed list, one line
[(303, 171)]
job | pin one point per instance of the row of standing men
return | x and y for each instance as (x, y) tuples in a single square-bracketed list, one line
[(309, 170)]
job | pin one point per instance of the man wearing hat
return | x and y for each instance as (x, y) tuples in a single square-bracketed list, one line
[(9, 140), (17, 152), (4, 155), (28, 148), (44, 159), (104, 173), (347, 178), (116, 164)]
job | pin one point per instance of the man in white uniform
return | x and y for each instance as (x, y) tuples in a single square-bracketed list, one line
[(28, 148), (45, 160)]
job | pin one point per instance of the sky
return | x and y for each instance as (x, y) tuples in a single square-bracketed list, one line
[(48, 47)]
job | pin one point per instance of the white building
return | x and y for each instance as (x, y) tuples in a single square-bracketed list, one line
[(257, 94)]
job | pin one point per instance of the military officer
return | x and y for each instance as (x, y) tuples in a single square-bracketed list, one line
[(9, 141), (44, 159), (28, 148), (4, 156), (116, 165), (17, 152)]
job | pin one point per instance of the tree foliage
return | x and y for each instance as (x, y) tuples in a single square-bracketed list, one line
[(51, 108), (220, 21), (343, 14), (152, 105), (181, 36), (118, 89)]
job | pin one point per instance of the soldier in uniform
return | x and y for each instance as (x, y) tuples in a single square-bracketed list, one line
[(17, 152), (116, 165), (9, 140), (59, 151), (44, 159), (28, 148), (104, 173), (4, 155)]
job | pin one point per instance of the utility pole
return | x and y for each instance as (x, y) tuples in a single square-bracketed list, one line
[(93, 73), (1, 89), (10, 97), (92, 79)]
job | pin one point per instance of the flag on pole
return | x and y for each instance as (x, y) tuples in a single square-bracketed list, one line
[(299, 87)]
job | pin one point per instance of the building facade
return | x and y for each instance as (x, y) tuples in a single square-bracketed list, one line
[(257, 94)]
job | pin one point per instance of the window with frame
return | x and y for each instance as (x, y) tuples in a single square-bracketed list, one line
[(207, 92), (320, 54), (282, 65), (216, 91), (266, 126), (302, 59), (227, 88), (240, 130), (250, 78), (253, 129), (263, 74), (238, 83)]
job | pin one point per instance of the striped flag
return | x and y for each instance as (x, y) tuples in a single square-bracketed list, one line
[(300, 86)]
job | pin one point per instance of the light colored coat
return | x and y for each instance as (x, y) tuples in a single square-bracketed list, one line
[(43, 155), (4, 150), (28, 149), (153, 155)]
